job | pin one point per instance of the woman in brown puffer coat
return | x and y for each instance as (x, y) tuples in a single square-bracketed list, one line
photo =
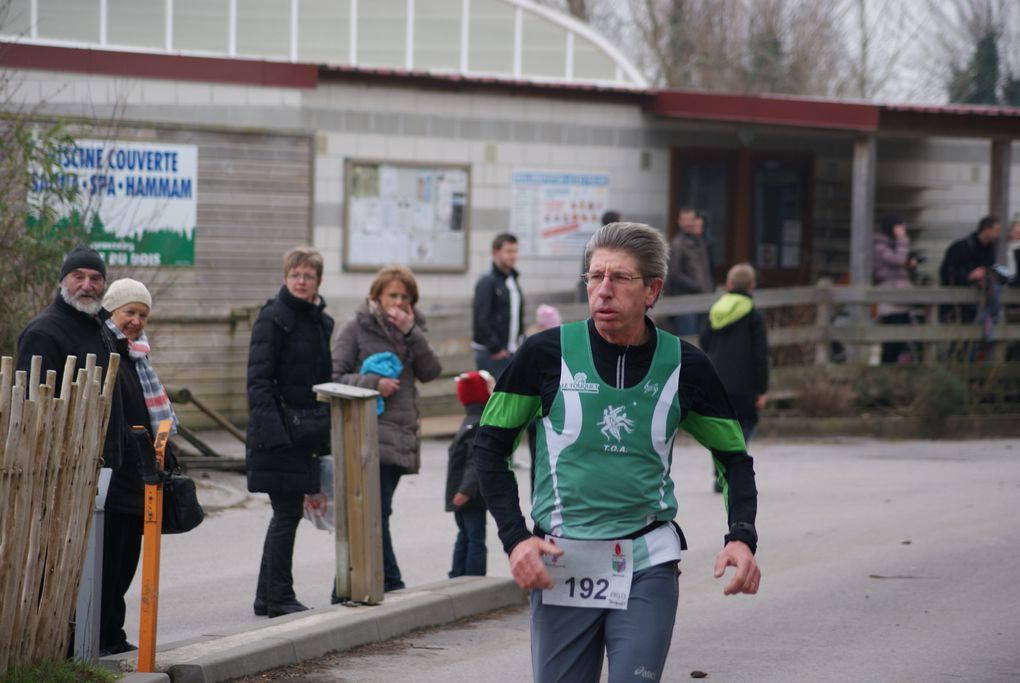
[(388, 321)]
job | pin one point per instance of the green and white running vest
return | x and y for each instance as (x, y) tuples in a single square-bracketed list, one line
[(604, 454)]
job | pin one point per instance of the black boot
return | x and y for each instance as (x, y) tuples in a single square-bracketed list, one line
[(283, 608)]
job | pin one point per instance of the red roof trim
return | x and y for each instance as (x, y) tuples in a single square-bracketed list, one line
[(148, 65), (769, 110)]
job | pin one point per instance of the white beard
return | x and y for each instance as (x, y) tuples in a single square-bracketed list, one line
[(92, 308)]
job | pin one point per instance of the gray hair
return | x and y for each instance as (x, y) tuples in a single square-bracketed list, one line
[(643, 242)]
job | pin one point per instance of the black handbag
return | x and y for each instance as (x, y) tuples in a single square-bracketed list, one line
[(181, 510), (308, 427)]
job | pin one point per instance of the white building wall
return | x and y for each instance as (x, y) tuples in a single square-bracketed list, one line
[(494, 135), (941, 184)]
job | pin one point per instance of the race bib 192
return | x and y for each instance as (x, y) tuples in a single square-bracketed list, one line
[(590, 573)]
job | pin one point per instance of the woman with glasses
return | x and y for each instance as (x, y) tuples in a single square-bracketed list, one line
[(289, 353), (383, 347)]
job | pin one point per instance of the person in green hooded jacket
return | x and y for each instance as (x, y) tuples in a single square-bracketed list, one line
[(735, 340)]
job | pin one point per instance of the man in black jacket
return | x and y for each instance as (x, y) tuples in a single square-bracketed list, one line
[(73, 326), (498, 315), (967, 261)]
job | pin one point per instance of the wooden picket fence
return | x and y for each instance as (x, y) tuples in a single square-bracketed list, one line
[(50, 455)]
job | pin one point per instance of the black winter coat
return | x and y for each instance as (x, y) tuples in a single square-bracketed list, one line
[(739, 352), (491, 310), (461, 475), (289, 353), (127, 490), (963, 256), (61, 330)]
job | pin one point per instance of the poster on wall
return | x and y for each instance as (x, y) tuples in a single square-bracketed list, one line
[(555, 212), (409, 213), (144, 197)]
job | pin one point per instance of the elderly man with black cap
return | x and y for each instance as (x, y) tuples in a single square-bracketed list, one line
[(73, 325), (70, 326)]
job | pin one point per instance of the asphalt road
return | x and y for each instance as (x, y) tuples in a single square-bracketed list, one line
[(882, 561)]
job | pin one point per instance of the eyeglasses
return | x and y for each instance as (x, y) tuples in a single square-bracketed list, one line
[(304, 277), (615, 279)]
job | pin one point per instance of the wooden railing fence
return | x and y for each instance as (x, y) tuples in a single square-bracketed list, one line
[(857, 327), (50, 455), (805, 322)]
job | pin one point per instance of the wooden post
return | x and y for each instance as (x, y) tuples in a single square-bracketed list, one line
[(931, 349), (862, 217), (862, 210), (152, 527), (998, 190), (823, 311), (358, 516)]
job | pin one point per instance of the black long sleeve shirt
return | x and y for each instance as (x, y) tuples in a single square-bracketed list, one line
[(531, 383)]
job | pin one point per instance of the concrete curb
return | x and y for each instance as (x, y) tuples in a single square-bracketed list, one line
[(308, 635)]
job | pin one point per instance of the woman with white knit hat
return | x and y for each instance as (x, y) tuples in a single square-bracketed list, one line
[(145, 403)]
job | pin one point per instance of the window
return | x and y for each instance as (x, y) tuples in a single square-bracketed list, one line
[(76, 20), (543, 48), (324, 31), (16, 18), (263, 28), (491, 38), (136, 23), (591, 63), (437, 35), (202, 25), (382, 33)]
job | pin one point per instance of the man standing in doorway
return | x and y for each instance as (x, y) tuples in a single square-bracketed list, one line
[(690, 270), (611, 393), (498, 312)]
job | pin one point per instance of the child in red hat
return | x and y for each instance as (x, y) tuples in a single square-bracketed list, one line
[(463, 498)]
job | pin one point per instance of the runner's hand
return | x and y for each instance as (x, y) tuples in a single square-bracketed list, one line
[(747, 577), (526, 563)]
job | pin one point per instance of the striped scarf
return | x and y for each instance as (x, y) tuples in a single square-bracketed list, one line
[(156, 400)]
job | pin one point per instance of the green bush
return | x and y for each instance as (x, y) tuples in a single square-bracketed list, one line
[(940, 394), (60, 672), (821, 395), (887, 387)]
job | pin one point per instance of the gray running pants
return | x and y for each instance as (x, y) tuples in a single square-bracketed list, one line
[(568, 643)]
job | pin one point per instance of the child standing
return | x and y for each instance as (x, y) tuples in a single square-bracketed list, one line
[(463, 498)]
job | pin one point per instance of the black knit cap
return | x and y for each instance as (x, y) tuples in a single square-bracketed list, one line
[(82, 257)]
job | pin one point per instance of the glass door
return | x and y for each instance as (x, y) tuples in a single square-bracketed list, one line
[(705, 183), (780, 218)]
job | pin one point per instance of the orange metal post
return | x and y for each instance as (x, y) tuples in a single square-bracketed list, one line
[(152, 527)]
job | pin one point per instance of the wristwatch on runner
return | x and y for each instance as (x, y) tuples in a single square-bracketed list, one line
[(743, 531)]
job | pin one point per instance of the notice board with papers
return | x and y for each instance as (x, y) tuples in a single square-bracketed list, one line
[(406, 212)]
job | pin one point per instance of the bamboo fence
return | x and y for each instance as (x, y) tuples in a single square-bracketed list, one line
[(50, 455)]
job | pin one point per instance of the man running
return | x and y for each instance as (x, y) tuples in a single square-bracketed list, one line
[(610, 393)]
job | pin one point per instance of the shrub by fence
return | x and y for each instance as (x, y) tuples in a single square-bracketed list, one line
[(50, 455)]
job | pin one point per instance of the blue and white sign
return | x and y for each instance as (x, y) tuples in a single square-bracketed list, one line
[(555, 212)]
